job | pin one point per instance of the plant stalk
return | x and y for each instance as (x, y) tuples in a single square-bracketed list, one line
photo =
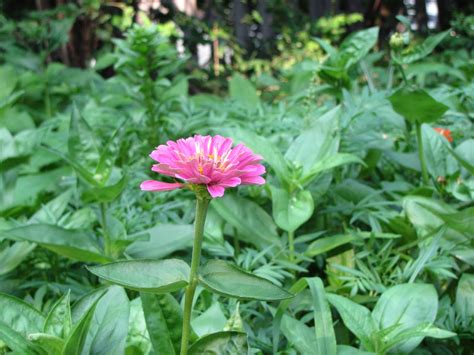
[(421, 154), (103, 222), (291, 244), (202, 203)]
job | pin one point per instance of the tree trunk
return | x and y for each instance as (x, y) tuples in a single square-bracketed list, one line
[(444, 13), (266, 26), (319, 8), (241, 29), (421, 15)]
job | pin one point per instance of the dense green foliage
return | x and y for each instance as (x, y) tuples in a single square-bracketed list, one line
[(367, 216)]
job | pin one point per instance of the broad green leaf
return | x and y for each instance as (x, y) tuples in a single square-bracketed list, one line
[(464, 154), (15, 341), (242, 91), (357, 45), (464, 296), (290, 211), (75, 244), (82, 306), (421, 50), (323, 245), (83, 146), (328, 163), (357, 319), (75, 343), (420, 331), (325, 336), (296, 288), (109, 327), (299, 335), (20, 316), (106, 193), (436, 149), (59, 320), (156, 276), (462, 221), (408, 306), (349, 350), (417, 106), (164, 240), (51, 344), (164, 319), (264, 147), (252, 222), (229, 280), (316, 143), (212, 320), (138, 338), (222, 343), (13, 255), (51, 212)]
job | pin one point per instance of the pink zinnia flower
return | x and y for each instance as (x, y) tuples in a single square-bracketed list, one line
[(205, 160)]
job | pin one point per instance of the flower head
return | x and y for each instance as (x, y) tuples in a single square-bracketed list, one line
[(205, 160), (445, 132)]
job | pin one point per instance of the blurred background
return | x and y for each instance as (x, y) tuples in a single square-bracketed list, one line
[(216, 37)]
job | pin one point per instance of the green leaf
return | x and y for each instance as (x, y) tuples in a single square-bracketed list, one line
[(20, 316), (357, 319), (164, 319), (83, 146), (407, 306), (212, 320), (436, 149), (15, 341), (156, 276), (464, 301), (59, 320), (164, 239), (417, 106), (357, 45), (299, 335), (420, 331), (13, 255), (108, 330), (76, 342), (325, 336), (323, 245), (106, 193), (421, 50), (291, 211), (316, 143), (229, 280), (328, 163), (264, 147), (75, 244), (50, 343), (349, 350), (222, 343), (242, 91), (253, 224)]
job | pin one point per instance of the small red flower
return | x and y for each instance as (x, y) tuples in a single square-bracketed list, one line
[(445, 132)]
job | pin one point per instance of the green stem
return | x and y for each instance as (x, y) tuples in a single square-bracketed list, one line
[(405, 80), (421, 155), (103, 222), (291, 245), (202, 204), (236, 243)]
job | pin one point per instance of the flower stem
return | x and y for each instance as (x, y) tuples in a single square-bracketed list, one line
[(202, 204), (421, 154), (291, 244), (105, 232)]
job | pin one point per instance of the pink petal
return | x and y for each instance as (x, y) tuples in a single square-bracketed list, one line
[(216, 190), (252, 180), (153, 185)]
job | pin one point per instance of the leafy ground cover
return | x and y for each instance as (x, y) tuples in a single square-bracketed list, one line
[(359, 242)]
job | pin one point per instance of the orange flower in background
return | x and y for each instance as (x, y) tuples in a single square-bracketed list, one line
[(445, 132)]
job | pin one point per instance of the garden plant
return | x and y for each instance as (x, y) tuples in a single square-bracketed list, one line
[(320, 205)]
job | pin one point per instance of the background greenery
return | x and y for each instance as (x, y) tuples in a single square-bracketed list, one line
[(379, 255)]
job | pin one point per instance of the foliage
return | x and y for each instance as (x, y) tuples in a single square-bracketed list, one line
[(345, 250)]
